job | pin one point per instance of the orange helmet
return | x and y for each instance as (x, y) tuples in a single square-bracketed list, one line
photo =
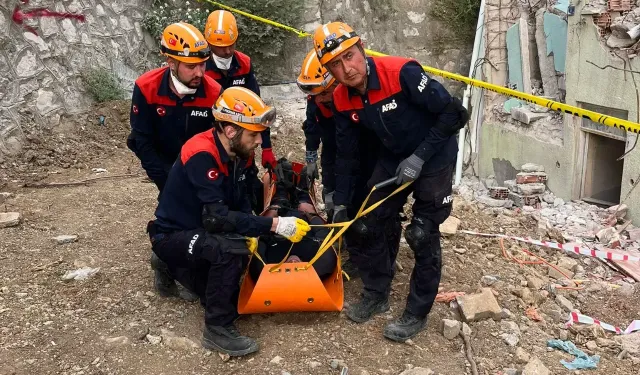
[(314, 78), (244, 108), (185, 43), (332, 39), (221, 29)]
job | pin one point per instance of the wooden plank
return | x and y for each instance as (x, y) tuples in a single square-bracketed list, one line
[(630, 268)]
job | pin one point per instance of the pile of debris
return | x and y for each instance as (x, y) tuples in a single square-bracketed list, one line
[(617, 22)]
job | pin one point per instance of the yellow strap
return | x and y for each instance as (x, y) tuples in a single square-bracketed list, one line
[(344, 226), (553, 105), (277, 266)]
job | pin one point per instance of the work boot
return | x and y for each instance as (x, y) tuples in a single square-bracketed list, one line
[(186, 294), (404, 328), (367, 307), (164, 283), (228, 340)]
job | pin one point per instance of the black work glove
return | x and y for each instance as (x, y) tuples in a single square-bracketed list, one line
[(312, 170), (409, 169)]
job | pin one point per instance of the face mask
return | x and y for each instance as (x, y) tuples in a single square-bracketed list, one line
[(180, 87), (222, 63)]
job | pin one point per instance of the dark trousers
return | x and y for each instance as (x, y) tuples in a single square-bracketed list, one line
[(255, 189), (273, 249), (198, 261), (376, 257)]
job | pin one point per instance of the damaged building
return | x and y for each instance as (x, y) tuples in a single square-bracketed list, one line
[(580, 53)]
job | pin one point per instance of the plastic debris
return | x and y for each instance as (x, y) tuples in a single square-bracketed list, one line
[(98, 170), (582, 361), (448, 296)]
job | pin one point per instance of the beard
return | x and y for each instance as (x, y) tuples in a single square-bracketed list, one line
[(237, 147)]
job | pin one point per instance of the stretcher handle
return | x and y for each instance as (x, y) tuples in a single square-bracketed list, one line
[(385, 183)]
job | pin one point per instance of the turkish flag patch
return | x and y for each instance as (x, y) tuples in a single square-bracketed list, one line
[(354, 117), (161, 111), (172, 42), (135, 109), (213, 174)]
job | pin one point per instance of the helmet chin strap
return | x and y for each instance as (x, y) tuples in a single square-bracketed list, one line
[(180, 87)]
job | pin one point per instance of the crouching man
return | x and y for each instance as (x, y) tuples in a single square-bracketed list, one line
[(204, 214)]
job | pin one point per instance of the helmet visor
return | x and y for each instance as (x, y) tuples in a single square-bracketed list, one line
[(311, 88), (265, 119)]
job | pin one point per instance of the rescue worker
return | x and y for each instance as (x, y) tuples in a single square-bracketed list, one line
[(230, 67), (173, 103), (416, 120), (204, 214), (170, 105), (319, 127)]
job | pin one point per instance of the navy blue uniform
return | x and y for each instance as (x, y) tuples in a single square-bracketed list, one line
[(409, 112), (204, 175), (319, 127), (161, 122)]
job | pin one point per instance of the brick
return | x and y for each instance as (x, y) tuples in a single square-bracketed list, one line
[(9, 219), (499, 192), (531, 178), (480, 306), (521, 200)]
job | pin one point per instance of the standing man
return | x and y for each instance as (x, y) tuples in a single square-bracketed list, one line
[(416, 120), (230, 67), (173, 103), (319, 127), (204, 213)]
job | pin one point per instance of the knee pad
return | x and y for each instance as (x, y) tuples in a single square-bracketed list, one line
[(418, 234)]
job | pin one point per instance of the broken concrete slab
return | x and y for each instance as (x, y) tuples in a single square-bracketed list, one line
[(615, 42), (450, 226), (510, 104), (535, 283), (634, 234), (608, 235), (480, 306), (553, 273), (531, 167), (563, 302), (9, 219), (488, 201), (526, 116), (619, 209), (567, 263), (546, 61), (555, 31), (630, 343), (535, 367), (450, 328)]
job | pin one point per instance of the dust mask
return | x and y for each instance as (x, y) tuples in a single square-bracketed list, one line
[(222, 63), (180, 87)]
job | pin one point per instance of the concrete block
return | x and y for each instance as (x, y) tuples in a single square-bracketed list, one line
[(615, 42), (526, 116), (450, 328), (64, 239), (450, 226), (9, 219), (491, 202), (475, 307), (530, 189), (634, 234), (510, 104), (620, 210), (511, 185), (531, 167), (535, 367)]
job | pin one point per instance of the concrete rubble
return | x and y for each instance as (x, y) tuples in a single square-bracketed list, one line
[(480, 306)]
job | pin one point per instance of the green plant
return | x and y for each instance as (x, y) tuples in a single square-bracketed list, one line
[(257, 39), (102, 85), (460, 16)]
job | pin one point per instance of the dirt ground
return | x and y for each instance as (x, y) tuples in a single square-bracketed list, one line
[(100, 325)]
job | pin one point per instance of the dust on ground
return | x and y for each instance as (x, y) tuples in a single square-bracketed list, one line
[(110, 323)]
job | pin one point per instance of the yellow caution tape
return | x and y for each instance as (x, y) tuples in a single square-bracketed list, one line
[(553, 105)]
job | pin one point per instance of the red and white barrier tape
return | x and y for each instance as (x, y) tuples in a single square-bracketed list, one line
[(555, 245), (578, 318)]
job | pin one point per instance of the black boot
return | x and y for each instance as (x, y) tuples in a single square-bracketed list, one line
[(350, 269), (165, 284), (404, 328), (367, 307), (228, 340)]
